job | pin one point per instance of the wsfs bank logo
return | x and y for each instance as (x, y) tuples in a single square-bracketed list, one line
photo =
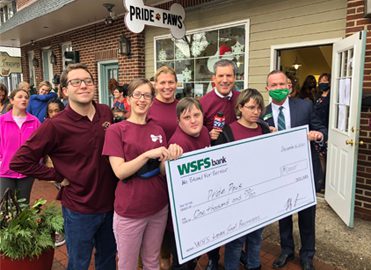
[(199, 165)]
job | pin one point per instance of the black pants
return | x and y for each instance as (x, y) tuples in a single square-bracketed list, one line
[(307, 234)]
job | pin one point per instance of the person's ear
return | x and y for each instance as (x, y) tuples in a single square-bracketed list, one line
[(64, 90)]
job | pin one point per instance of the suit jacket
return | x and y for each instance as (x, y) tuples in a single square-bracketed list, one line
[(302, 113)]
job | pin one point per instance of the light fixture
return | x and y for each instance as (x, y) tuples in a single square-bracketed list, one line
[(53, 58), (35, 62), (124, 46), (111, 17), (296, 64)]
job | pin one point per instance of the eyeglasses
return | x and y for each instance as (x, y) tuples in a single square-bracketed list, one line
[(253, 108), (138, 95), (77, 82)]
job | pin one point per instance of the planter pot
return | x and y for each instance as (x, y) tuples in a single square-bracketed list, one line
[(43, 262)]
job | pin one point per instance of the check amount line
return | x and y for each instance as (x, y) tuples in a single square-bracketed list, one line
[(240, 201), (249, 187)]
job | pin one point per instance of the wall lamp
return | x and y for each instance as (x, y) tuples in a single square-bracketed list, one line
[(53, 59), (124, 46)]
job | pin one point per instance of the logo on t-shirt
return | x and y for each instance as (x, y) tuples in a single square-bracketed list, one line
[(106, 125), (156, 138)]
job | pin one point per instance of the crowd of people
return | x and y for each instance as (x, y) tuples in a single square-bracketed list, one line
[(108, 163)]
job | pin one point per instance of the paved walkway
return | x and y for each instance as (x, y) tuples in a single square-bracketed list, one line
[(42, 189)]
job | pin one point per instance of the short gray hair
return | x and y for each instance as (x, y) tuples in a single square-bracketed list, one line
[(225, 63)]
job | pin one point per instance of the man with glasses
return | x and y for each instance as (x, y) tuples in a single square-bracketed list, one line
[(74, 141)]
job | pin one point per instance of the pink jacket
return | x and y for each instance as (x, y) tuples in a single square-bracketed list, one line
[(11, 139)]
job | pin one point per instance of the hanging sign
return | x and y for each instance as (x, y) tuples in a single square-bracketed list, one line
[(138, 15), (9, 64)]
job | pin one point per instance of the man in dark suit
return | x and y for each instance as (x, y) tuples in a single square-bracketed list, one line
[(284, 113)]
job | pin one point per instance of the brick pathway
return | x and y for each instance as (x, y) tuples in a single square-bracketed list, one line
[(42, 189)]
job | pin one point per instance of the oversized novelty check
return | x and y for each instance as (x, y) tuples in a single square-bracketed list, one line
[(220, 193)]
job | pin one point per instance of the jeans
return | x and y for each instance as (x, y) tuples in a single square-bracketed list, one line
[(83, 233), (233, 250), (252, 247)]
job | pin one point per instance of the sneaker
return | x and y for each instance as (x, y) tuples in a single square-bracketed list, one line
[(59, 239)]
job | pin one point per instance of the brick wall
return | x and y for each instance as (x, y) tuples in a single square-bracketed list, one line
[(356, 22), (95, 43), (363, 188)]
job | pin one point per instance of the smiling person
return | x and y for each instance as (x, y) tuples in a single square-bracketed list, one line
[(74, 141), (163, 109), (222, 98), (191, 135), (163, 113), (38, 103), (141, 201), (16, 126)]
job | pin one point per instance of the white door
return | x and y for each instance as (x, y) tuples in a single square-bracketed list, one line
[(345, 106)]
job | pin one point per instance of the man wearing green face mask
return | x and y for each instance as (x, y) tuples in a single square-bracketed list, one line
[(285, 113)]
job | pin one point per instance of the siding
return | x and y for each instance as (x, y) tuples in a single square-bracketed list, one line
[(271, 23)]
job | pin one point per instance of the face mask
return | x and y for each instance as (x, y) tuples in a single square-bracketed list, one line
[(279, 94), (324, 86)]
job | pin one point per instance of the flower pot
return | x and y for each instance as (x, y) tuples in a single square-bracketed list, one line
[(43, 262)]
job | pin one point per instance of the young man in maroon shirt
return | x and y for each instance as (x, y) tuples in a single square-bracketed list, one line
[(221, 99), (74, 141)]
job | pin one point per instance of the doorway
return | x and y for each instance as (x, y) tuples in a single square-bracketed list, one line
[(107, 70), (304, 61)]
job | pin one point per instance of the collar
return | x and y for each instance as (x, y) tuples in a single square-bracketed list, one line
[(8, 117), (285, 105), (229, 96), (76, 116)]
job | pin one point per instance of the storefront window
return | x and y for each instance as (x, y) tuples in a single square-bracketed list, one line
[(193, 57)]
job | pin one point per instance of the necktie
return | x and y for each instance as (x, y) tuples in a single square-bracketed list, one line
[(281, 120)]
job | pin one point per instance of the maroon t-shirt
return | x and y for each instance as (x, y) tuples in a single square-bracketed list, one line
[(74, 144), (136, 197), (190, 143), (241, 132), (164, 115), (212, 104)]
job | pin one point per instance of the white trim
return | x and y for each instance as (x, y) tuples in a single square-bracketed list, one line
[(208, 28), (245, 22), (275, 48), (31, 68)]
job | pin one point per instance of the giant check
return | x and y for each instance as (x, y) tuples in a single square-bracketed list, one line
[(220, 193)]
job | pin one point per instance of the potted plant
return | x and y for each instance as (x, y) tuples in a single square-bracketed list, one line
[(27, 233)]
